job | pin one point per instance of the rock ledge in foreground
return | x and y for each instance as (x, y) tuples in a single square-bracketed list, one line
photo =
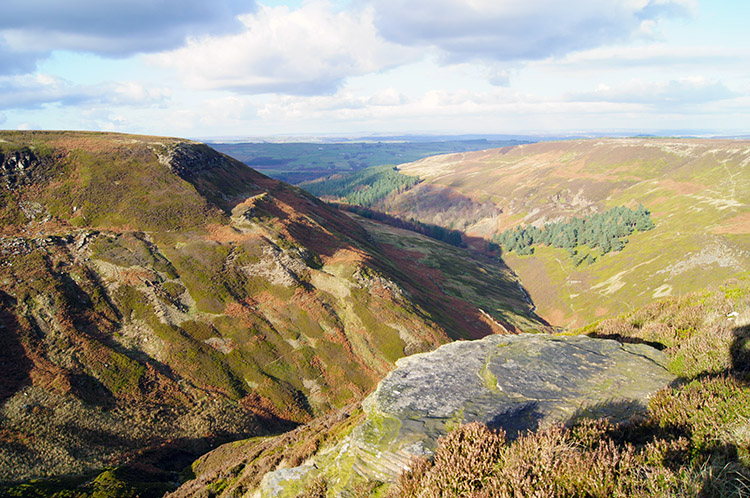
[(517, 383)]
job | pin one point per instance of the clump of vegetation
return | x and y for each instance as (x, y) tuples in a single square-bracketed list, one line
[(363, 188), (249, 460), (605, 231), (585, 461), (693, 441), (121, 482), (316, 489)]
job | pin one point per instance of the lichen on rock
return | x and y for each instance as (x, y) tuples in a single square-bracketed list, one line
[(517, 383)]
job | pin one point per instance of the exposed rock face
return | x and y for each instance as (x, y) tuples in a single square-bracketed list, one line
[(189, 160), (14, 167), (518, 383)]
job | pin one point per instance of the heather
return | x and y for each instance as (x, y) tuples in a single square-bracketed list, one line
[(693, 441)]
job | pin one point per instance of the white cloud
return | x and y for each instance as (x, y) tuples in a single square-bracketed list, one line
[(34, 90), (684, 91), (387, 97), (103, 120), (651, 55), (306, 51), (387, 104), (231, 112), (313, 49), (497, 110), (499, 77), (513, 31), (28, 126), (386, 65), (115, 27), (31, 29), (2, 118), (134, 93)]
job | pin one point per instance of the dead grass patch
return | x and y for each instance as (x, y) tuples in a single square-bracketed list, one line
[(739, 224)]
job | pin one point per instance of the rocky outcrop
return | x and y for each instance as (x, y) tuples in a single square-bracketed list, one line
[(15, 167), (189, 159), (221, 179), (517, 383)]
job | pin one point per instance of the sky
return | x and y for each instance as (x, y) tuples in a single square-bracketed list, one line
[(260, 68)]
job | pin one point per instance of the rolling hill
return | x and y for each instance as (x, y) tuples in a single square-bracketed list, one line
[(158, 297), (697, 191)]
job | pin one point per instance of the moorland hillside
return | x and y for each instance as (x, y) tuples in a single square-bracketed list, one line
[(697, 192), (651, 403), (157, 297)]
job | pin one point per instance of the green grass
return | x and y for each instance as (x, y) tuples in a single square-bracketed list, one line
[(187, 354), (130, 249), (111, 483), (121, 374), (88, 180), (482, 281)]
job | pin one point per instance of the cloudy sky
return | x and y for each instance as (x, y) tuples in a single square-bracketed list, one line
[(251, 68)]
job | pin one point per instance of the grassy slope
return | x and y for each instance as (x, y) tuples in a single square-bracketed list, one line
[(156, 293), (693, 441), (698, 192), (466, 276)]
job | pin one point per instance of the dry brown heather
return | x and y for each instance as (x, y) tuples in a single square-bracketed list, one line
[(157, 297), (697, 190), (694, 441)]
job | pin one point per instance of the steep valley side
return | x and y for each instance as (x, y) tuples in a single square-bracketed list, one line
[(157, 297), (654, 402), (698, 193)]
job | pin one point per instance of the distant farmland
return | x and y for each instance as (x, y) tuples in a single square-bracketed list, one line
[(298, 162)]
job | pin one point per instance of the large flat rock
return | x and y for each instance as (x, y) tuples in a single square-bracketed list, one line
[(517, 383)]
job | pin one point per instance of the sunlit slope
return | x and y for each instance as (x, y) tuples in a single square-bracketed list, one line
[(155, 293), (697, 190)]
